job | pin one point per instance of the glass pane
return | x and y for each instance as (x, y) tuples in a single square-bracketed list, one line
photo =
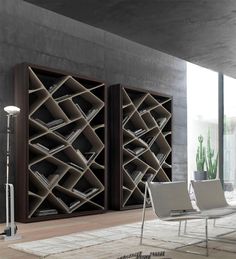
[(229, 133), (202, 106)]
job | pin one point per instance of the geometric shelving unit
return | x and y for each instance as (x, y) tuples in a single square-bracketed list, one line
[(61, 144), (140, 144)]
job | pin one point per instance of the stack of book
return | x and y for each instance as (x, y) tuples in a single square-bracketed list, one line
[(87, 193), (46, 212)]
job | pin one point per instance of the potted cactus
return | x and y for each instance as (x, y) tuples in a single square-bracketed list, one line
[(211, 161), (200, 174)]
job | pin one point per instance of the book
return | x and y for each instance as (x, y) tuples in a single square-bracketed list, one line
[(125, 119), (41, 178), (73, 135), (74, 204), (56, 148), (53, 178), (52, 88), (90, 191), (54, 123), (42, 147), (45, 212), (143, 142), (142, 111), (89, 156), (136, 151), (161, 121), (63, 97), (80, 154), (149, 140), (139, 132), (80, 109), (76, 166), (90, 113), (41, 122), (86, 193)]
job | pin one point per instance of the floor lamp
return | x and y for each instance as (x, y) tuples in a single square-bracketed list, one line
[(11, 228)]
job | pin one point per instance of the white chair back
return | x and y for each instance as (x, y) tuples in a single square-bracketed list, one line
[(209, 194), (169, 196)]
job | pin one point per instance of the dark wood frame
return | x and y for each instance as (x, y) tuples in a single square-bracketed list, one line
[(116, 144), (21, 82)]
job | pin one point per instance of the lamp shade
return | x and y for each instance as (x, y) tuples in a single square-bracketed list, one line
[(12, 110)]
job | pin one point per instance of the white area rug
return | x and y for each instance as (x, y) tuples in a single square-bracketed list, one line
[(122, 240)]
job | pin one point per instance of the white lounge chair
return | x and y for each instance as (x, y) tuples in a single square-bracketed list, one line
[(209, 194), (210, 198), (168, 198)]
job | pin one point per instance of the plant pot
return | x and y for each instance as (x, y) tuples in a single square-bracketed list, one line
[(200, 175)]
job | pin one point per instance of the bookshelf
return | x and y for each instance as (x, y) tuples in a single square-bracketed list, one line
[(140, 143), (60, 144)]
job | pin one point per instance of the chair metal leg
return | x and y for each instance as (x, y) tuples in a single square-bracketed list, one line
[(185, 227), (206, 229), (180, 222), (143, 214)]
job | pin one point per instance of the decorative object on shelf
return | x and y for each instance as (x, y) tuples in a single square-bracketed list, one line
[(211, 161), (140, 148), (11, 228), (200, 174), (61, 144)]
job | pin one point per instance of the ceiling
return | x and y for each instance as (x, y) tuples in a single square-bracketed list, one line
[(199, 31)]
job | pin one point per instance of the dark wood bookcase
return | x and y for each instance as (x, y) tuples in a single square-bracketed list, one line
[(140, 143), (60, 143)]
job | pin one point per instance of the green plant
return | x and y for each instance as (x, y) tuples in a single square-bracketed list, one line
[(211, 162), (201, 155)]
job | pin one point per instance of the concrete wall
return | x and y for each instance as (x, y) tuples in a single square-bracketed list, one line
[(34, 35)]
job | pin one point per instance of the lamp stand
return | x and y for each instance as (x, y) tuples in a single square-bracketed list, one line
[(11, 228)]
